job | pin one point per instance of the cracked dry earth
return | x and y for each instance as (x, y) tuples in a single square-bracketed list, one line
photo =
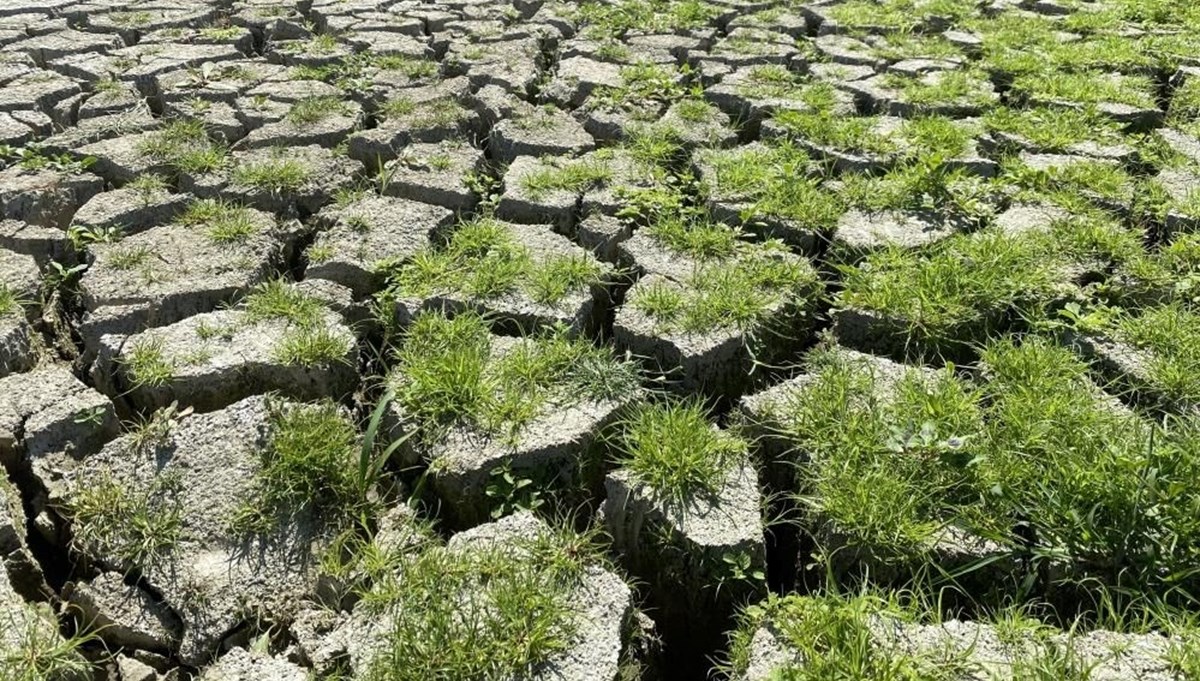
[(488, 339)]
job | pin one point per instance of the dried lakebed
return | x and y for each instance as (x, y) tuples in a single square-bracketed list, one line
[(396, 340)]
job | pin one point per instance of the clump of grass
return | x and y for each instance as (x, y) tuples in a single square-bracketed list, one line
[(1185, 104), (674, 449), (738, 293), (311, 110), (736, 284), (698, 238), (311, 346), (308, 340), (847, 133), (148, 184), (221, 33), (436, 112), (835, 638), (226, 223), (1077, 469), (925, 184), (185, 146), (274, 174), (411, 67), (1087, 87), (645, 88), (613, 19), (9, 303), (447, 376), (776, 81), (493, 612), (888, 453), (553, 280), (572, 176), (775, 184), (34, 650), (308, 468), (482, 259), (937, 136), (1096, 489), (962, 87), (962, 282), (1065, 184), (124, 259), (657, 145), (1170, 334), (695, 110), (147, 363), (1054, 129), (135, 528), (277, 299)]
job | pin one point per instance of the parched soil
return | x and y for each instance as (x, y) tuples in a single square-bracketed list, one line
[(599, 340)]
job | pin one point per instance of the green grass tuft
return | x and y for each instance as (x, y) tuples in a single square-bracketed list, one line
[(312, 110), (308, 467), (482, 259), (479, 613), (274, 175), (137, 528), (447, 376), (677, 452), (147, 364)]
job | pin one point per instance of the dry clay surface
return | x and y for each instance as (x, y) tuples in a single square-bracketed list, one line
[(222, 220)]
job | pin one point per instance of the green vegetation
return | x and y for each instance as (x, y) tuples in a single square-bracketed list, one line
[(1075, 184), (1054, 129), (311, 110), (307, 468), (147, 363), (943, 88), (888, 453), (9, 303), (33, 649), (1169, 334), (736, 285), (450, 374), (677, 452), (741, 293), (497, 611), (613, 19), (575, 176), (773, 184), (844, 133), (278, 174), (834, 637), (148, 184), (896, 460), (309, 339), (482, 259), (136, 528), (222, 33), (432, 113), (1087, 87), (965, 288), (225, 223), (185, 146), (644, 87), (926, 184)]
